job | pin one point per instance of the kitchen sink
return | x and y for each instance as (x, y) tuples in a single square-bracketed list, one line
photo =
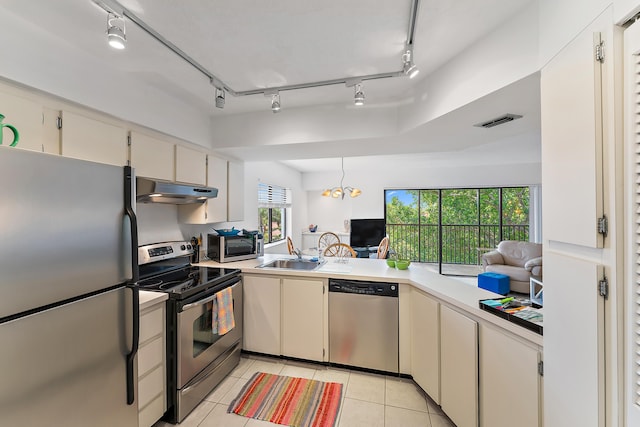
[(293, 264)]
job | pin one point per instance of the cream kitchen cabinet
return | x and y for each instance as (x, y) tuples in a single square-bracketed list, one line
[(152, 157), (425, 343), (459, 367), (90, 139), (261, 295), (152, 402), (191, 166), (510, 386), (212, 210), (304, 318), (36, 125)]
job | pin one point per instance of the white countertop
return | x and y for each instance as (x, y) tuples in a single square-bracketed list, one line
[(453, 292), (149, 298)]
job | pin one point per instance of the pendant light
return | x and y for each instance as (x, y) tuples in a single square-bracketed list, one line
[(339, 192)]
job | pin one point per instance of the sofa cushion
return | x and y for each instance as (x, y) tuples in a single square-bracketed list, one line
[(515, 273), (516, 253)]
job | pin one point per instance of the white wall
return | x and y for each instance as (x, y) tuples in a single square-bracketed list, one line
[(330, 213)]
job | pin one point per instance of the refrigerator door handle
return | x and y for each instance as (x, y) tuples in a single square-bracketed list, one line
[(129, 181)]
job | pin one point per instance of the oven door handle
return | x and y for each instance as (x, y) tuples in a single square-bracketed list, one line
[(201, 302), (208, 299)]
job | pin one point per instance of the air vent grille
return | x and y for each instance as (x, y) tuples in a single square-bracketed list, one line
[(498, 121)]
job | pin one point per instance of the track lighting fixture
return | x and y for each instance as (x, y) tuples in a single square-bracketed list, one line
[(275, 102), (116, 33), (408, 67), (358, 98), (220, 97)]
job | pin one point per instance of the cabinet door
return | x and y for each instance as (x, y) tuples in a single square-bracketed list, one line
[(425, 344), (152, 157), (303, 319), (191, 166), (261, 314), (459, 367), (572, 141), (509, 381), (217, 178), (27, 117), (573, 342), (235, 210), (88, 139)]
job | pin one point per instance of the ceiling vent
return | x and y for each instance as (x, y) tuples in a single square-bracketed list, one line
[(498, 121)]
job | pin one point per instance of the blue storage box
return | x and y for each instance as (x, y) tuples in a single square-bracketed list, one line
[(494, 282)]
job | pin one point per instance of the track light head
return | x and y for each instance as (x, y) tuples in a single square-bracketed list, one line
[(220, 95), (358, 98), (116, 35), (275, 102)]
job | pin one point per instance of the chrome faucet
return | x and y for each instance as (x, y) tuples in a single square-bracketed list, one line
[(298, 252)]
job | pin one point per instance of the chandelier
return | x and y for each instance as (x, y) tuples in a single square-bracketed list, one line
[(340, 191)]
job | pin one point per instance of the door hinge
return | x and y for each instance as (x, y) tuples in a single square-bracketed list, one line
[(129, 140), (603, 288), (541, 368), (323, 353), (603, 226), (59, 122), (600, 52)]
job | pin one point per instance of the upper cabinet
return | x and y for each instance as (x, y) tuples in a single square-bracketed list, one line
[(152, 157), (35, 125), (228, 178), (575, 95), (191, 166), (89, 139)]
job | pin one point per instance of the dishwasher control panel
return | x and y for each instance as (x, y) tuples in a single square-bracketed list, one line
[(364, 288)]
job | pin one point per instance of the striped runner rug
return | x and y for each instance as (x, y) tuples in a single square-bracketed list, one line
[(291, 401)]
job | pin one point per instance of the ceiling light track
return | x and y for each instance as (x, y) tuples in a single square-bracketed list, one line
[(113, 6)]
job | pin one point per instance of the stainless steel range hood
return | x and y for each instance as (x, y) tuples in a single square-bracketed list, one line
[(150, 190)]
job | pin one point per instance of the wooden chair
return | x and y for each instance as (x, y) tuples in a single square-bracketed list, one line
[(383, 248), (327, 239), (341, 250), (290, 246)]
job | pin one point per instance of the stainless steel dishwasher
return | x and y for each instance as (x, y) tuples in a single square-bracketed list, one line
[(363, 324)]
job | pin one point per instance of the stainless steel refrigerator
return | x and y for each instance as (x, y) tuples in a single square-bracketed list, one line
[(68, 293)]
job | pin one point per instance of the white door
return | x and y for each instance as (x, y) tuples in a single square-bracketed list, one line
[(632, 219), (573, 342), (571, 127), (303, 319), (89, 139)]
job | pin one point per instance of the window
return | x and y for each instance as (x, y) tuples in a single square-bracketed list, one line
[(452, 227), (273, 202)]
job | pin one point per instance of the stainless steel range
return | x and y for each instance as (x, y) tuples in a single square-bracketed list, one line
[(198, 356)]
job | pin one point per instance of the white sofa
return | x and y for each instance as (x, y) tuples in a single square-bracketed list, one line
[(516, 259)]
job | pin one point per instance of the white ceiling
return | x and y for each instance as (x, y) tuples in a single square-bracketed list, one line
[(256, 44)]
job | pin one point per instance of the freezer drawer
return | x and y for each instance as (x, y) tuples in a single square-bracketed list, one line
[(66, 366)]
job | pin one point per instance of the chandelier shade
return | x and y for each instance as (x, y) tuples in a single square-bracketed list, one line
[(341, 191)]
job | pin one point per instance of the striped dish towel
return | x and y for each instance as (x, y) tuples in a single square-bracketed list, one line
[(223, 320)]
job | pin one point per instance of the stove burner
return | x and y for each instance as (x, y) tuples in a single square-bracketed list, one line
[(150, 283), (179, 284)]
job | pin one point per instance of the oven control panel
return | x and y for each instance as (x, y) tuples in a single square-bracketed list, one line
[(160, 251)]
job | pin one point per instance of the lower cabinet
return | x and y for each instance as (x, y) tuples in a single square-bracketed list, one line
[(261, 295), (509, 381), (286, 316), (304, 320), (425, 343), (152, 402), (459, 367)]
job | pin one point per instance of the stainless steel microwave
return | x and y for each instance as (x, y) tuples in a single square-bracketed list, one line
[(234, 248)]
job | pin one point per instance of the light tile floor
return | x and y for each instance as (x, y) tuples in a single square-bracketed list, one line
[(369, 400)]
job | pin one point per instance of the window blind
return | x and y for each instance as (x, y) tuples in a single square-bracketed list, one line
[(273, 196), (635, 291)]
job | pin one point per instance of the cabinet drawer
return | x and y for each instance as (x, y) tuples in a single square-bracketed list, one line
[(152, 412), (150, 355), (151, 324), (150, 386)]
